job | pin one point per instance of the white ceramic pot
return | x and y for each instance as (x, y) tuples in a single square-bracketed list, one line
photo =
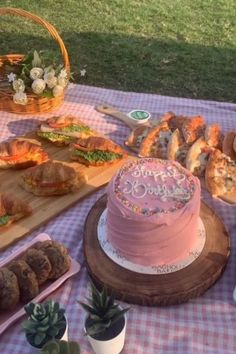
[(112, 346), (65, 335)]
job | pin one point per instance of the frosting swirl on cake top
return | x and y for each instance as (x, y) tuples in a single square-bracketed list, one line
[(149, 186)]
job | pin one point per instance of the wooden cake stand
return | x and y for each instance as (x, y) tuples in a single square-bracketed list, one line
[(163, 289)]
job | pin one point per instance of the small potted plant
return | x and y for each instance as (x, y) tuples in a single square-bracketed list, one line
[(60, 347), (105, 324), (46, 321)]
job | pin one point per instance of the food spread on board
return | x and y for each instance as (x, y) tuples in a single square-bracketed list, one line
[(201, 148), (194, 144), (187, 142)]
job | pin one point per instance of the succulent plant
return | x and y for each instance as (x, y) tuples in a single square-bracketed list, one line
[(46, 321), (102, 311), (60, 347)]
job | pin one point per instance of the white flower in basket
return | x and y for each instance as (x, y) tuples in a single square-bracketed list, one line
[(20, 98), (38, 86), (36, 62), (36, 73), (49, 69), (63, 82), (18, 85), (52, 83), (50, 79), (62, 74), (11, 77), (57, 90)]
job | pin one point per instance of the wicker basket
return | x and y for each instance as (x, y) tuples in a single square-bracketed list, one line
[(36, 104)]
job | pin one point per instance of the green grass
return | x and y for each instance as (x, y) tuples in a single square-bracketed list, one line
[(172, 47)]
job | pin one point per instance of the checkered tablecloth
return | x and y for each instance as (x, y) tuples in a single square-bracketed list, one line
[(204, 325)]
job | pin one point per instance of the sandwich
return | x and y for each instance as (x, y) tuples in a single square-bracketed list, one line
[(96, 151), (156, 142), (193, 129), (229, 145), (12, 209), (197, 157), (174, 122), (220, 175), (63, 130), (177, 148), (136, 137), (213, 136), (51, 178), (20, 153)]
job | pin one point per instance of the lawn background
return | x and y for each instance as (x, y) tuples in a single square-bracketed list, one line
[(171, 47)]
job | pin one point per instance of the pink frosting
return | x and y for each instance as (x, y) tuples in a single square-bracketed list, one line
[(153, 208)]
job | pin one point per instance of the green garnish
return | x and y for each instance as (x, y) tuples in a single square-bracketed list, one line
[(76, 128), (93, 156), (4, 220), (55, 137)]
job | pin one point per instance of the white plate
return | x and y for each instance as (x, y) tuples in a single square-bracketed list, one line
[(119, 259)]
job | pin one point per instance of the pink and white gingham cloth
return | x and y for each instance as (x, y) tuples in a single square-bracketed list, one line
[(205, 325)]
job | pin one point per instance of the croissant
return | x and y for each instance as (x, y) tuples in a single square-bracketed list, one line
[(63, 130), (51, 178), (96, 151), (21, 154), (12, 209)]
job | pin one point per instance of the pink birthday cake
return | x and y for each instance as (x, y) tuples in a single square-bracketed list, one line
[(152, 211)]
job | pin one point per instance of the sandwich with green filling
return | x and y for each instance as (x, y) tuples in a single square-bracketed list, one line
[(63, 130), (12, 209), (96, 151)]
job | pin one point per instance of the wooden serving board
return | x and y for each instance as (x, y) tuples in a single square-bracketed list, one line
[(45, 208), (161, 289)]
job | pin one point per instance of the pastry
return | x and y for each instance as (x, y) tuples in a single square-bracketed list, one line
[(229, 145), (197, 157), (21, 154), (39, 263), (234, 144), (51, 178), (156, 142), (174, 122), (213, 135), (26, 278), (57, 255), (12, 209), (177, 148), (193, 129), (62, 130), (96, 151), (220, 175), (136, 137), (9, 289)]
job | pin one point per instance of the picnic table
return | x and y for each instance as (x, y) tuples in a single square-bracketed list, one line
[(203, 325)]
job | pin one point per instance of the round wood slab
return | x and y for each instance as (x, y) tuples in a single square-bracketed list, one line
[(164, 289)]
